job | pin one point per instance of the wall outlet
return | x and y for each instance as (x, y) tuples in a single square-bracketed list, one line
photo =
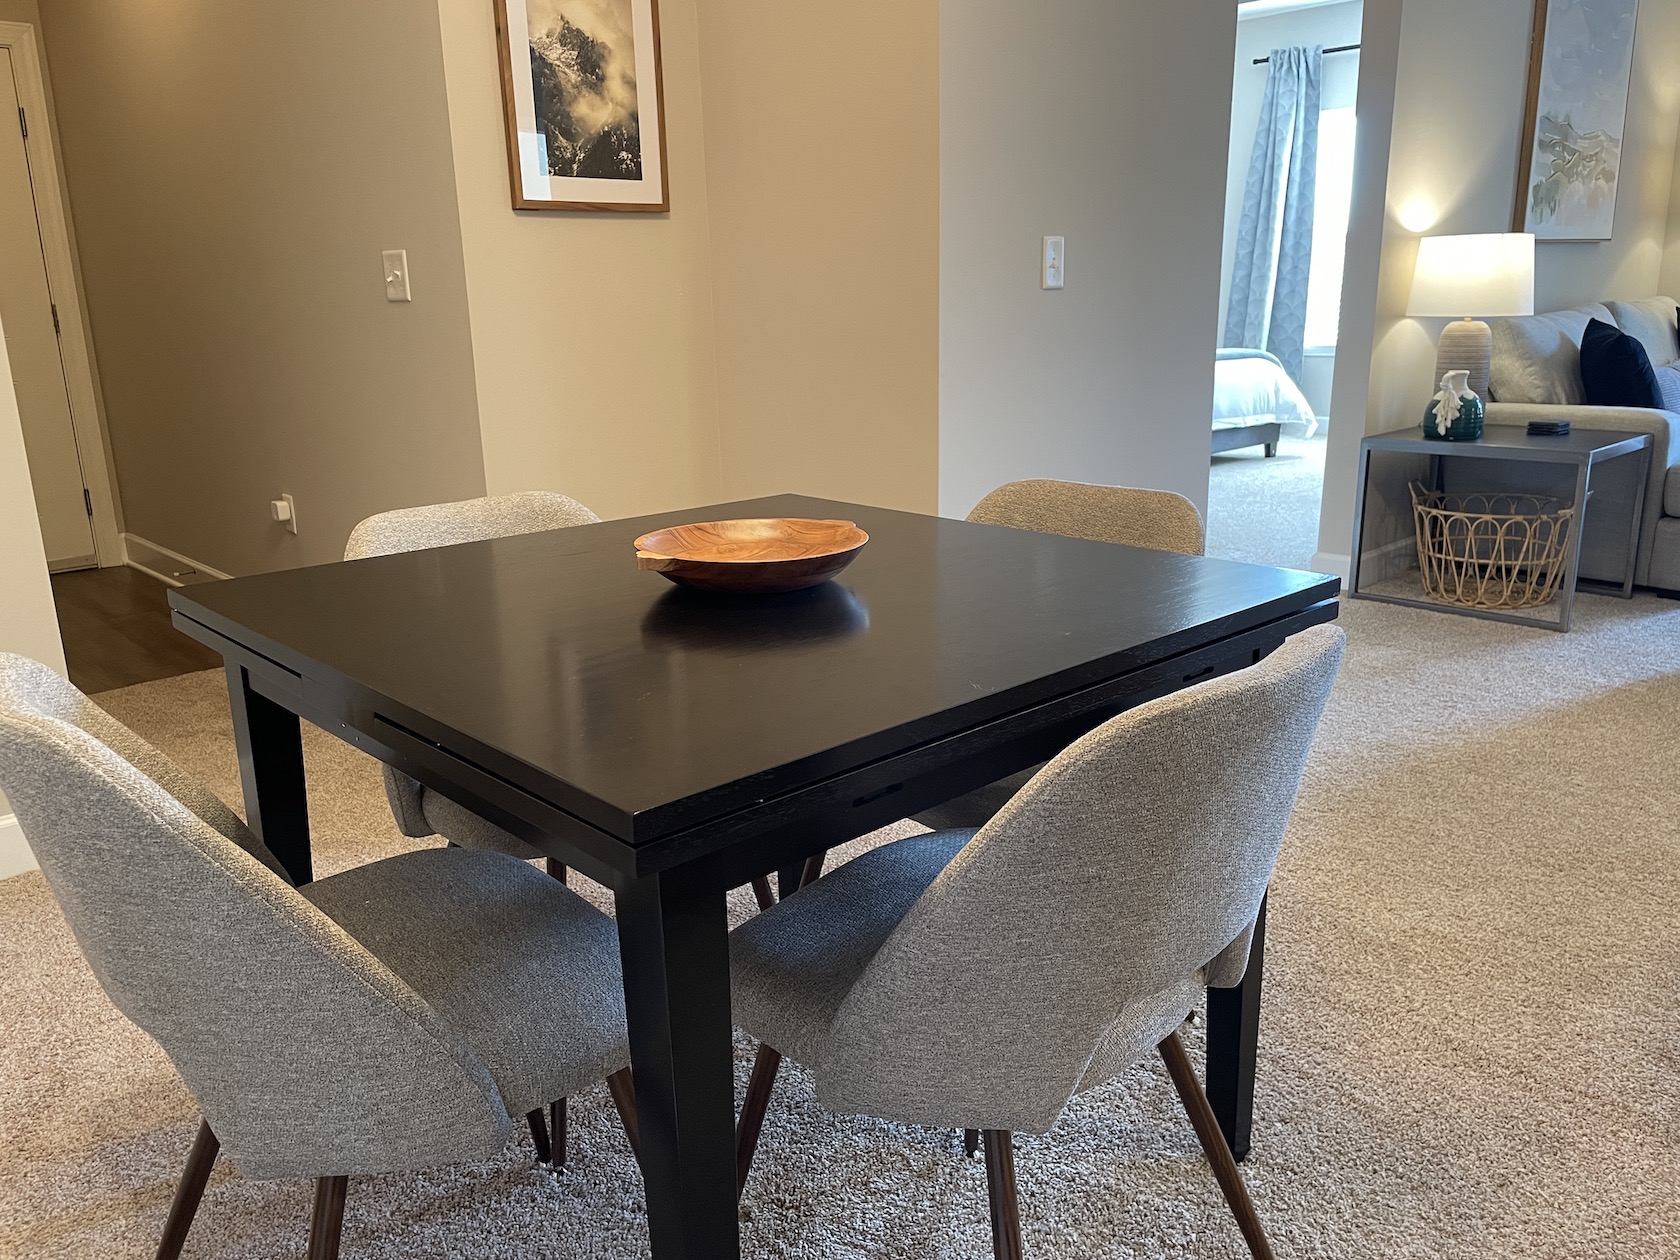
[(285, 511), (396, 276), (1055, 262)]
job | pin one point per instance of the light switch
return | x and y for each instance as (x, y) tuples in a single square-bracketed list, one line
[(1055, 255), (285, 512), (396, 276)]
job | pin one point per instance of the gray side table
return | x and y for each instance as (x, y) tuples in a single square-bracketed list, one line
[(1582, 448)]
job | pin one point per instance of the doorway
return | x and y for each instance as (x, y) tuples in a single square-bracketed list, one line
[(40, 308), (1296, 85)]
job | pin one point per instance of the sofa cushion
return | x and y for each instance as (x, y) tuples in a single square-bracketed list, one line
[(1671, 492), (1615, 370), (1653, 322), (1668, 385), (1537, 358)]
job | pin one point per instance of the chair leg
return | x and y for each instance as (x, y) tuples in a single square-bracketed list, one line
[(557, 1131), (761, 890), (556, 869), (813, 868), (200, 1161), (971, 1142), (539, 1136), (757, 1101), (328, 1221), (1214, 1146), (1000, 1189), (623, 1092)]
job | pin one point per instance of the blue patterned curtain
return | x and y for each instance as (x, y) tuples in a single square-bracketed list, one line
[(1268, 309)]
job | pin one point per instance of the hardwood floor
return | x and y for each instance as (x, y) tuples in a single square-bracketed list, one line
[(115, 624)]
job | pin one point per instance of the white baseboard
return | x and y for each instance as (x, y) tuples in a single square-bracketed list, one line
[(1333, 562), (169, 567), (15, 857)]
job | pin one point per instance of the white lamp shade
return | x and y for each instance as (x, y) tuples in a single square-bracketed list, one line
[(1486, 274)]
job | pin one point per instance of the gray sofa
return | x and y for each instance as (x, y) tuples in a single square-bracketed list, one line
[(1537, 375)]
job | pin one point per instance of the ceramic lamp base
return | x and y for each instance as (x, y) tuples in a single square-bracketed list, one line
[(1466, 345)]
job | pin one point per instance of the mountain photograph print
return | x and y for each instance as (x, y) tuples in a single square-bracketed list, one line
[(1581, 66), (584, 102)]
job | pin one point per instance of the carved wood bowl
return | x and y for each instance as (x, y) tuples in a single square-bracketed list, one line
[(751, 556)]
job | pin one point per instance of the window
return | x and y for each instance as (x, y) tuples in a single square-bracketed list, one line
[(1334, 198)]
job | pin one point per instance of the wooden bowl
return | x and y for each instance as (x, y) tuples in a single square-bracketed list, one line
[(751, 556)]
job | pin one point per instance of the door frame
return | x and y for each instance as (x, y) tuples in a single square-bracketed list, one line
[(87, 412)]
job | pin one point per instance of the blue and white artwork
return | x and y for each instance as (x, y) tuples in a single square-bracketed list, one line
[(1579, 111)]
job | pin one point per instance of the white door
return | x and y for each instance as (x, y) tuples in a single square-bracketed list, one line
[(27, 312)]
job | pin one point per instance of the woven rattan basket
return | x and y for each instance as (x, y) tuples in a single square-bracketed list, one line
[(1491, 550)]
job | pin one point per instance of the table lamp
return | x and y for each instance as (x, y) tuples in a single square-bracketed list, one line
[(1485, 274)]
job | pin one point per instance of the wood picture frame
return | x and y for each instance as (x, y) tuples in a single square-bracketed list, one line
[(578, 101), (1569, 165)]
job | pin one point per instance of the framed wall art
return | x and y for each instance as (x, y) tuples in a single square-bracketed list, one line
[(585, 105), (1580, 66)]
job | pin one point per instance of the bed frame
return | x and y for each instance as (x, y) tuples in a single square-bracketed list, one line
[(1235, 439)]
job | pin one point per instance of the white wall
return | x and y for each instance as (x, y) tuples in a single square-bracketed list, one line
[(28, 622), (1107, 124), (1459, 83)]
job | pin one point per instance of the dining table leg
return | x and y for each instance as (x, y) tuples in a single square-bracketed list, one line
[(673, 939), (1233, 1044), (269, 741)]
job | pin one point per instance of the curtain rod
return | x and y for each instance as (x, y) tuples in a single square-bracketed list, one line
[(1260, 61)]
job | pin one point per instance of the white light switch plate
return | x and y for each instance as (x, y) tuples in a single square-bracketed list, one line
[(396, 276), (1055, 262)]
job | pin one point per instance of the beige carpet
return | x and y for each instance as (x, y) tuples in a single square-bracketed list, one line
[(1469, 1045), (1265, 511)]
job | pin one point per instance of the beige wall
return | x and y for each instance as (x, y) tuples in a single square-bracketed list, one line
[(235, 171), (1459, 91), (778, 329), (1107, 124), (1670, 281), (592, 333), (28, 621), (822, 167)]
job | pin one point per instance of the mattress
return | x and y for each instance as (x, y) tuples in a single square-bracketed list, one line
[(1250, 387)]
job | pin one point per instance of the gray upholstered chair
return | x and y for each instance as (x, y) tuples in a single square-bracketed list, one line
[(1157, 519), (392, 1017), (980, 980), (421, 812)]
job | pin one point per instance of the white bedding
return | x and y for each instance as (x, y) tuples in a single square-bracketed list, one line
[(1250, 387)]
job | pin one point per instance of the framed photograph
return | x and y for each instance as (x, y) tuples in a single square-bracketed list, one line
[(585, 105), (1580, 65)]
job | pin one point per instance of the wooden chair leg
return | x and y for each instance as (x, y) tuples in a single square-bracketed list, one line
[(200, 1161), (757, 1101), (813, 868), (623, 1093), (1000, 1189), (557, 1131), (1214, 1146), (761, 890), (328, 1221), (556, 869), (539, 1136), (971, 1142)]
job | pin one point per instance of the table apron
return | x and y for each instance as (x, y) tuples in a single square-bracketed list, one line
[(770, 834)]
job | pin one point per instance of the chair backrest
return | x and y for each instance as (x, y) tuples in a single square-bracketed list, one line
[(1113, 514), (1087, 908), (472, 520), (308, 1055)]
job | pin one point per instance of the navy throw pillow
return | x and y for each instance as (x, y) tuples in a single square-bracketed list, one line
[(1615, 370)]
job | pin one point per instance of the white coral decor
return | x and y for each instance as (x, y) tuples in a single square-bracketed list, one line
[(1449, 403)]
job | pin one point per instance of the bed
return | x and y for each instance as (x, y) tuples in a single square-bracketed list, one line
[(1254, 401)]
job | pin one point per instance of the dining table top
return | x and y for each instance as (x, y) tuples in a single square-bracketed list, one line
[(641, 707)]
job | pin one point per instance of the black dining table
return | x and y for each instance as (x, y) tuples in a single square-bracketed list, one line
[(674, 745)]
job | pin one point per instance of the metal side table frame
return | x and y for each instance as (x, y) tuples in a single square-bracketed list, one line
[(1585, 449)]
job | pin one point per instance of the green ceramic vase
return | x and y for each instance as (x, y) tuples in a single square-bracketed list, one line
[(1466, 425)]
